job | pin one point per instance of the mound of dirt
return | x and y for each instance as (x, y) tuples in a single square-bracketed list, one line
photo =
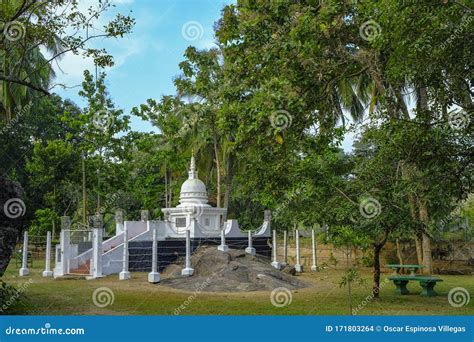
[(235, 271)]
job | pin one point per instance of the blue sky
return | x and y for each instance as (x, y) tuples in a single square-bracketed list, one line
[(147, 59)]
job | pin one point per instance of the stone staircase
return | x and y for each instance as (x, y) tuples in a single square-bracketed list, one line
[(83, 269)]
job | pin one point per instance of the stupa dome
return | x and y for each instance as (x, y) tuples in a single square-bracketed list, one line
[(193, 190)]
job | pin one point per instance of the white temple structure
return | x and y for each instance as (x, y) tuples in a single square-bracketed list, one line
[(193, 206), (193, 214)]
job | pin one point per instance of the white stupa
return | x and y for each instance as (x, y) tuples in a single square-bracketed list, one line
[(193, 211)]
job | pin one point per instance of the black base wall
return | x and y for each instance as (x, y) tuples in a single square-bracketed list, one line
[(140, 252)]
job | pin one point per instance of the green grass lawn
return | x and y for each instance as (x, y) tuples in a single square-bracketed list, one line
[(138, 297)]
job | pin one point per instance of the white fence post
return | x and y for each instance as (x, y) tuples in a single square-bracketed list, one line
[(144, 215), (314, 267), (125, 274), (24, 261), (154, 275), (119, 225), (62, 267), (223, 247), (298, 267), (250, 250), (285, 249), (188, 270), (97, 248), (275, 262), (47, 269)]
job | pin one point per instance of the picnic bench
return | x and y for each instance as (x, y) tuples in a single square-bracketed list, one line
[(426, 282), (411, 268)]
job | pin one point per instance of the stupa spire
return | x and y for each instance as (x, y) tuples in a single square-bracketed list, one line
[(192, 169)]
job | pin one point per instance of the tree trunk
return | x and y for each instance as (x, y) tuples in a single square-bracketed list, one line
[(53, 233), (350, 297), (84, 194), (377, 249), (166, 189), (376, 279), (419, 249), (170, 185), (426, 240), (228, 181), (10, 226), (218, 171), (399, 252)]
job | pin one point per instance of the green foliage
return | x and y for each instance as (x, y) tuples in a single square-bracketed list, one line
[(43, 221), (351, 276), (8, 294), (57, 27)]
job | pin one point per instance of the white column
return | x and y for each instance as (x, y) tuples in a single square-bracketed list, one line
[(250, 250), (298, 267), (62, 267), (314, 266), (223, 247), (97, 248), (188, 270), (154, 275), (144, 215), (119, 226), (285, 249), (24, 262), (125, 274), (57, 252), (47, 269), (275, 262)]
